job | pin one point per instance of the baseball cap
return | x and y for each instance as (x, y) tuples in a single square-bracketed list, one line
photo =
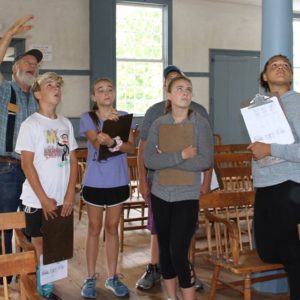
[(171, 68), (34, 52)]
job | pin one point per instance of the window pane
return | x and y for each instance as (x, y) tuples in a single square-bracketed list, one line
[(139, 56), (296, 42), (139, 85), (139, 32), (296, 77)]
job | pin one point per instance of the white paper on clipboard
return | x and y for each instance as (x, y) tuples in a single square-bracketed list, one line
[(266, 122)]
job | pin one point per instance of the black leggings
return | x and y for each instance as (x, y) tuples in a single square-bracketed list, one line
[(276, 215), (175, 223)]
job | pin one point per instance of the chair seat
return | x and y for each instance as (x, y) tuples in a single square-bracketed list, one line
[(249, 262)]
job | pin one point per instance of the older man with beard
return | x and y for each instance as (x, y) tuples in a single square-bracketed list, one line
[(16, 104)]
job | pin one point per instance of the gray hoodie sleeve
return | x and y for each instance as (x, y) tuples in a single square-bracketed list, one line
[(290, 152), (287, 152)]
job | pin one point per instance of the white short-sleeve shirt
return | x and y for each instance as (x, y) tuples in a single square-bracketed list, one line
[(51, 140)]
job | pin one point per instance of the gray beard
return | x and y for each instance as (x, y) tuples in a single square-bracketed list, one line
[(26, 79)]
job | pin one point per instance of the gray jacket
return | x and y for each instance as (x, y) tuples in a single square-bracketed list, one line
[(203, 140), (290, 168)]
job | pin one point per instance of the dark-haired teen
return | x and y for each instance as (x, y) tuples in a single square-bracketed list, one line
[(277, 203)]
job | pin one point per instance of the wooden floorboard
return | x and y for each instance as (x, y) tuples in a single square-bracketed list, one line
[(132, 264)]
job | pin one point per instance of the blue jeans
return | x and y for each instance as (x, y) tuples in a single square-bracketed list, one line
[(11, 181)]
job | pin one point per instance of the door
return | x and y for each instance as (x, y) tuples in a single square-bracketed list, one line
[(234, 78)]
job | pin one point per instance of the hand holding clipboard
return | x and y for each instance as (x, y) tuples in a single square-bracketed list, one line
[(120, 128)]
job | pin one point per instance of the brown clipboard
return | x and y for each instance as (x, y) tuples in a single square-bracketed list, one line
[(172, 138), (58, 238), (120, 128)]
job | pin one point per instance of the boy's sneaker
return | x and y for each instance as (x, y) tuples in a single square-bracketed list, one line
[(52, 296), (116, 286), (149, 278), (198, 284), (38, 281), (88, 289), (47, 290)]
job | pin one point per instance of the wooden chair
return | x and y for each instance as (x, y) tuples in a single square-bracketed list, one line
[(217, 139), (20, 263), (81, 155), (228, 219), (139, 206), (81, 170), (233, 171), (133, 173), (135, 222), (232, 165)]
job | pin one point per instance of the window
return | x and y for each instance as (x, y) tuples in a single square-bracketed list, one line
[(296, 51), (140, 56)]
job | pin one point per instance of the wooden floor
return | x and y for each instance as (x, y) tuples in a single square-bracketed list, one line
[(132, 264)]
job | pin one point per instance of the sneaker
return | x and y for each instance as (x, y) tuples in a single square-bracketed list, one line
[(116, 286), (149, 278), (38, 281), (88, 289), (52, 296), (47, 289), (198, 284)]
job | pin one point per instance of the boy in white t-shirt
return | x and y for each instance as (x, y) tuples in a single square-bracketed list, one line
[(46, 143)]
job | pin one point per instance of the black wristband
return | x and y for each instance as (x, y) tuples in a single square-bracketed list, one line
[(113, 145)]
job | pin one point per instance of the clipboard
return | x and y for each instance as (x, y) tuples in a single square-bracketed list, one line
[(266, 122), (172, 138), (58, 238), (120, 128)]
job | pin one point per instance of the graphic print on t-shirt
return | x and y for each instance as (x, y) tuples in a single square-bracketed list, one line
[(57, 145)]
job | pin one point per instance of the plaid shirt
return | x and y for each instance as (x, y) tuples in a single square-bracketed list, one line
[(27, 106)]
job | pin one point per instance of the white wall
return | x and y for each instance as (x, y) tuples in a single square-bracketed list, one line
[(199, 25), (64, 25)]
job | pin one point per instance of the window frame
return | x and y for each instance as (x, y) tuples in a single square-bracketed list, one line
[(165, 34), (103, 15), (296, 17)]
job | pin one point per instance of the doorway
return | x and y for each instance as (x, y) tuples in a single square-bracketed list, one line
[(233, 78)]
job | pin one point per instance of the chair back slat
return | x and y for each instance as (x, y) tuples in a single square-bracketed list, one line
[(17, 263), (20, 263), (234, 171), (231, 148), (12, 220)]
